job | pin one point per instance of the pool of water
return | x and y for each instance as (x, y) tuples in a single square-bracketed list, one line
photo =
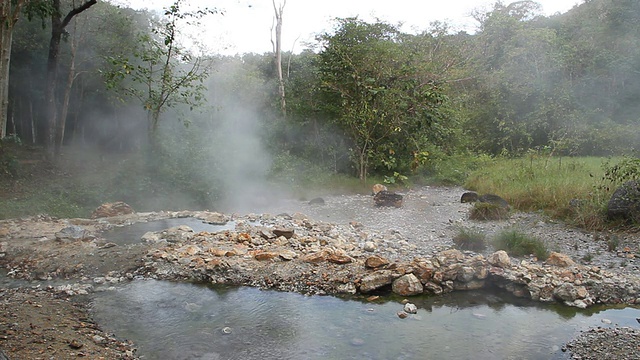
[(131, 234), (186, 321)]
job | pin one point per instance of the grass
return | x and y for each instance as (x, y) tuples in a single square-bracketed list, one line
[(470, 239), (548, 185), (488, 211), (517, 243)]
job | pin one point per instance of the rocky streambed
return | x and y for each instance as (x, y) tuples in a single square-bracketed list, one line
[(343, 246)]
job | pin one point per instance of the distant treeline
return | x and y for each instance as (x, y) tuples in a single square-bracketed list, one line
[(366, 98)]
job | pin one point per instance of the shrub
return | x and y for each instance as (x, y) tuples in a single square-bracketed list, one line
[(518, 243), (488, 211), (470, 239)]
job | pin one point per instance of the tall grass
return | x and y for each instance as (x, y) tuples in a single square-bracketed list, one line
[(564, 188)]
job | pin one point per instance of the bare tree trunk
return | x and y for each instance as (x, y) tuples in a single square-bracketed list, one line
[(57, 29), (278, 55), (8, 17), (67, 93)]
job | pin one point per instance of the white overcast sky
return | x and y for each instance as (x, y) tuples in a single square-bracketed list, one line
[(246, 24)]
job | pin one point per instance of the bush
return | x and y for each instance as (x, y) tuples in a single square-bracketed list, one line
[(470, 239), (517, 243)]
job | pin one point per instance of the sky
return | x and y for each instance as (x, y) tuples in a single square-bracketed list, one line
[(246, 24)]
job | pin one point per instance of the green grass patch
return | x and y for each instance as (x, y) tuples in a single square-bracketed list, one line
[(570, 189), (470, 239), (518, 243)]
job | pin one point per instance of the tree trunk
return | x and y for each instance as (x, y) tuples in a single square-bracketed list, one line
[(57, 29), (67, 93), (278, 55), (8, 17)]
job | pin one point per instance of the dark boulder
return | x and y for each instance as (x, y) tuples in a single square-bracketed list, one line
[(317, 201), (470, 196), (625, 202), (387, 198), (494, 199)]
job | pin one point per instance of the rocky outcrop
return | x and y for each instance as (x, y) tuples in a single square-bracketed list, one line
[(317, 259)]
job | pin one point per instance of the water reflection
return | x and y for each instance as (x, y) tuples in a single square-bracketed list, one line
[(184, 321)]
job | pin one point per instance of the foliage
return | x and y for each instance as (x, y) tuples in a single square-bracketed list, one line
[(162, 74), (382, 102), (470, 239), (488, 211), (627, 168), (517, 243)]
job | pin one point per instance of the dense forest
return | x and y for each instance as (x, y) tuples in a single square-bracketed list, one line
[(366, 99)]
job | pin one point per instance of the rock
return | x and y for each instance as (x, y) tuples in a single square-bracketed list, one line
[(500, 259), (387, 198), (369, 246), (177, 234), (402, 314), (266, 255), (625, 202), (560, 260), (112, 209), (410, 308), (375, 261), (317, 201), (73, 233), (494, 199), (214, 218), (407, 285), (377, 280), (378, 188), (569, 292), (470, 196), (339, 258), (287, 233)]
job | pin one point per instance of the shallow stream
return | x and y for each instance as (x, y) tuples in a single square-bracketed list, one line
[(186, 321)]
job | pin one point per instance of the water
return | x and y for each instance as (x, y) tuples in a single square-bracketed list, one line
[(185, 321), (132, 233)]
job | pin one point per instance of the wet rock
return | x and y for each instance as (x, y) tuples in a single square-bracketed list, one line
[(177, 234), (377, 280), (560, 260), (410, 308), (112, 209), (407, 285), (500, 259)]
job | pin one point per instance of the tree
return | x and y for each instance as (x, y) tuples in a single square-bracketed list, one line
[(381, 100), (161, 73), (277, 51), (9, 14), (58, 25)]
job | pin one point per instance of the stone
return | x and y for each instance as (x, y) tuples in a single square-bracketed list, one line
[(625, 202), (410, 308), (387, 198), (500, 259), (266, 255), (494, 199), (112, 209), (469, 196), (73, 233), (378, 188), (287, 233), (339, 258), (369, 246), (375, 261), (214, 218), (377, 280), (560, 260), (407, 285), (317, 201), (569, 292)]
